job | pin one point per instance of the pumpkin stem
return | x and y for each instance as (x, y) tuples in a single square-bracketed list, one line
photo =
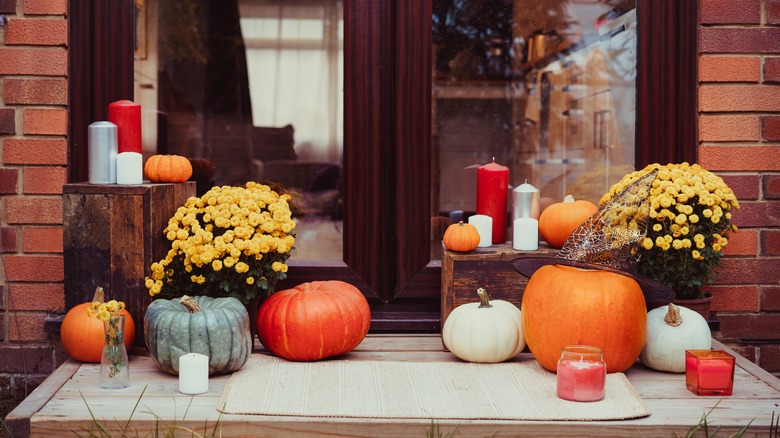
[(188, 302), (484, 299), (100, 296), (568, 198), (673, 317)]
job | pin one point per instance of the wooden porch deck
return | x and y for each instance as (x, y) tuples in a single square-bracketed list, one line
[(59, 405)]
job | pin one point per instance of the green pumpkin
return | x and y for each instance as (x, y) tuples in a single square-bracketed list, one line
[(215, 327)]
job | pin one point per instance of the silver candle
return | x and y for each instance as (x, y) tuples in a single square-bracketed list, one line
[(102, 153), (525, 201)]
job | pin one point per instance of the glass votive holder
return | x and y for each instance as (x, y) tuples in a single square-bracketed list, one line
[(581, 373), (709, 372)]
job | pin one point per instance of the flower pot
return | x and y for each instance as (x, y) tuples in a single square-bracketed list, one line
[(700, 305)]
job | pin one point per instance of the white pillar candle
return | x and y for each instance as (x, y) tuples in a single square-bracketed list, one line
[(484, 225), (129, 168), (193, 373), (526, 234)]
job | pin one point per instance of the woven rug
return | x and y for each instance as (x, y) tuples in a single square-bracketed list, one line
[(520, 390)]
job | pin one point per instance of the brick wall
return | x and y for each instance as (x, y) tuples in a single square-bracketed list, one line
[(739, 138), (33, 168)]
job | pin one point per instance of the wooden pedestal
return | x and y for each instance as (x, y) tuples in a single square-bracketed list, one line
[(111, 236), (462, 273)]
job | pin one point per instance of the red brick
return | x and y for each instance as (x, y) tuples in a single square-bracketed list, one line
[(747, 271), (749, 352), (26, 326), (41, 61), (769, 358), (717, 98), (772, 70), (42, 240), (770, 243), (742, 243), (729, 69), (33, 268), (8, 181), (750, 325), (8, 239), (45, 7), (46, 121), (770, 128), (7, 121), (25, 358), (36, 296), (729, 128), (25, 151), (744, 186), (729, 12), (770, 185), (36, 91), (7, 6), (772, 11), (739, 158), (37, 31), (34, 210), (739, 39), (44, 180), (757, 214), (2, 323), (770, 298), (732, 298)]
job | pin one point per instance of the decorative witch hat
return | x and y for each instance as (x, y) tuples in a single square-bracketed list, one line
[(609, 240)]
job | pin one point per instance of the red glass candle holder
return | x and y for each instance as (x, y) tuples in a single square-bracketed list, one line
[(709, 372), (581, 374)]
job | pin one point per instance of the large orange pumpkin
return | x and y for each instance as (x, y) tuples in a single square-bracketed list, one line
[(564, 305), (83, 336), (559, 220), (167, 168), (313, 320)]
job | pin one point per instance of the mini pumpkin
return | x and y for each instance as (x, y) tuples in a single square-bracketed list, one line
[(559, 220), (461, 237), (671, 330), (486, 332), (215, 327), (167, 168), (83, 336), (313, 320)]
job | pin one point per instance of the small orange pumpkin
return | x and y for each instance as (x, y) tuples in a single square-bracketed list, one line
[(83, 336), (559, 220), (461, 237), (167, 168), (564, 305)]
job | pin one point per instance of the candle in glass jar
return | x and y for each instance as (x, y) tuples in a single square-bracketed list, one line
[(193, 373), (126, 115), (492, 188), (582, 374), (525, 234), (709, 372), (484, 226)]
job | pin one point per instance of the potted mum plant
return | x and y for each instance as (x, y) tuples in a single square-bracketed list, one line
[(230, 242), (689, 224)]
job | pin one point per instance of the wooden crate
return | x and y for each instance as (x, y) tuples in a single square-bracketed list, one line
[(462, 273), (111, 236)]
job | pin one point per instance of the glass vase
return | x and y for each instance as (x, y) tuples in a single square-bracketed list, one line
[(114, 369)]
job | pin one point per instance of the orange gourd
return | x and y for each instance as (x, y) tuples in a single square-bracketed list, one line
[(167, 168), (83, 336), (564, 305), (461, 237), (559, 220), (313, 320)]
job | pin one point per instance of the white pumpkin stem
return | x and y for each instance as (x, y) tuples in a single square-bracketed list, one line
[(100, 295), (188, 302), (673, 317), (484, 299), (568, 199)]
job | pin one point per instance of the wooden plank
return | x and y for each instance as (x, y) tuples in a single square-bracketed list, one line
[(749, 366)]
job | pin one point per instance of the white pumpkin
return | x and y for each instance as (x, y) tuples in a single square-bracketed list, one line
[(486, 332), (670, 331)]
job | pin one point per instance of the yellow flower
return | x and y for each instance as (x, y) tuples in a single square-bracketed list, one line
[(250, 280), (657, 227)]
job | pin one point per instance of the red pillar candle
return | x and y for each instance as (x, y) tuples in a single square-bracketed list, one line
[(126, 115), (492, 186)]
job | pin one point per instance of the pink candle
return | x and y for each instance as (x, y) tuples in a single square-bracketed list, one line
[(581, 374), (126, 115), (492, 187), (709, 372)]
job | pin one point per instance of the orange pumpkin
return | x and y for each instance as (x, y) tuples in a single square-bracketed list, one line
[(563, 305), (461, 237), (167, 168), (313, 320), (83, 337), (559, 220)]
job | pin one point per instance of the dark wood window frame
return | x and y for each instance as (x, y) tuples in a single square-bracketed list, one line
[(387, 150)]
